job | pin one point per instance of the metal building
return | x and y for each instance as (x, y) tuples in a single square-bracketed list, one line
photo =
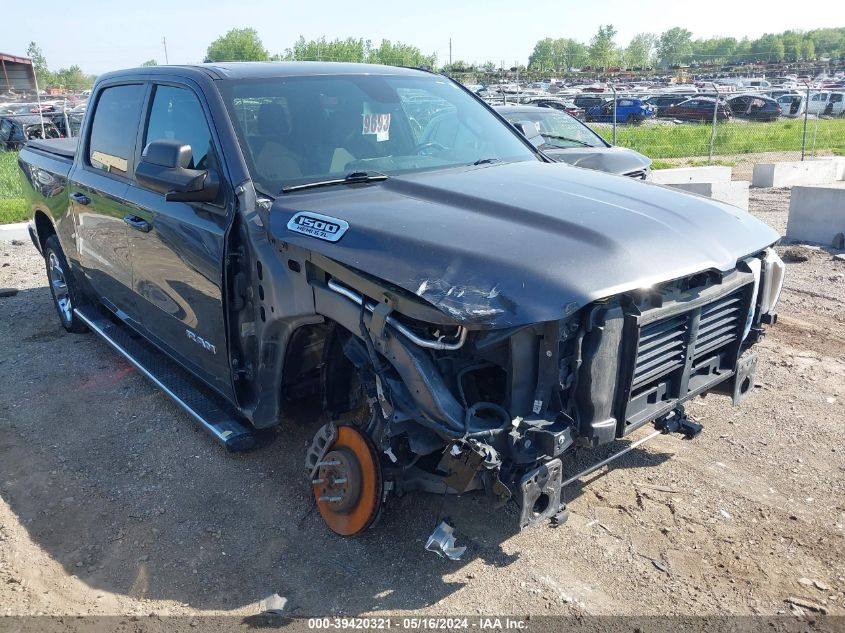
[(16, 74)]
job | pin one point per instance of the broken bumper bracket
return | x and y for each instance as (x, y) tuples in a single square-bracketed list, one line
[(679, 422), (538, 494)]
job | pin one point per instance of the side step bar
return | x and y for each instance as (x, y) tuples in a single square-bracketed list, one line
[(213, 413)]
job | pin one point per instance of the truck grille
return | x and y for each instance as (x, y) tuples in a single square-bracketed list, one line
[(719, 324), (661, 349), (682, 354)]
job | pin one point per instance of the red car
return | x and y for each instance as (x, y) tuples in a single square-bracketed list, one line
[(696, 109)]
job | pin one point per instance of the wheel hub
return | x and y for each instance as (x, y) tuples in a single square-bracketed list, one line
[(347, 483), (339, 480)]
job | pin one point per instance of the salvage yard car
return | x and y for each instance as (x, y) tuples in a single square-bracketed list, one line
[(15, 130), (465, 310), (696, 109), (827, 103), (628, 110), (564, 138), (792, 104), (755, 107), (660, 102)]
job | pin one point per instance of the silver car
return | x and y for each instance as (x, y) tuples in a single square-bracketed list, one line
[(565, 139)]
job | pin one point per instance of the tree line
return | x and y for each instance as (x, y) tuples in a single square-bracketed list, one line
[(676, 46), (245, 45), (645, 50), (70, 78)]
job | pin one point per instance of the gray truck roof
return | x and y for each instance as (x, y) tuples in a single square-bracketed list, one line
[(260, 70)]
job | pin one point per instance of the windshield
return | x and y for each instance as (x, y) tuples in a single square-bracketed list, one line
[(297, 130), (558, 129)]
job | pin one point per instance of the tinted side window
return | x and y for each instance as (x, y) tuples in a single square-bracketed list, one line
[(176, 115), (114, 128)]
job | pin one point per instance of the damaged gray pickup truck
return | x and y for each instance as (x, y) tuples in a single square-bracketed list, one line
[(467, 311)]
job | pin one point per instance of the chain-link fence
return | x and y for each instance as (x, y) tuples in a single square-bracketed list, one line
[(733, 120), (727, 128)]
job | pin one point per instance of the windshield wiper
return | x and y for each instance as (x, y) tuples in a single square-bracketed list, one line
[(351, 178), (486, 161), (566, 138)]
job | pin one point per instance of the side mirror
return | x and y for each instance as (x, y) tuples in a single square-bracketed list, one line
[(531, 131), (164, 168)]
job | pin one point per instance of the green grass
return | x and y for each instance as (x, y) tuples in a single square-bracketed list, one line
[(12, 204), (13, 210), (665, 164), (734, 137)]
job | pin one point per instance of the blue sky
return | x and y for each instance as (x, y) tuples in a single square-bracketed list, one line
[(102, 36)]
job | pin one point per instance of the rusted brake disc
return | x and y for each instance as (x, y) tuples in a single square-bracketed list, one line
[(348, 483)]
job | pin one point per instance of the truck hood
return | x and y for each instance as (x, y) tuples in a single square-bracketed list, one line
[(518, 243), (614, 160)]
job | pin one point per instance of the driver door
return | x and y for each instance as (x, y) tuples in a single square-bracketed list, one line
[(177, 248)]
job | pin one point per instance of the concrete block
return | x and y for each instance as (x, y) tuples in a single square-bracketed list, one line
[(733, 192), (678, 175), (839, 161), (16, 231), (816, 214), (791, 173)]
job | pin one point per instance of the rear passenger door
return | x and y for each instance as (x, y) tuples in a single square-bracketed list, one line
[(178, 247), (98, 188)]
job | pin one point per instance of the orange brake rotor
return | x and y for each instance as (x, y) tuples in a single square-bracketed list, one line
[(348, 483)]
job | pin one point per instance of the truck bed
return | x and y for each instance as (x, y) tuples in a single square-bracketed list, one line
[(65, 147), (45, 167)]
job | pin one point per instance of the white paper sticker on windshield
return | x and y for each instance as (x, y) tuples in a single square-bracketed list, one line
[(378, 124)]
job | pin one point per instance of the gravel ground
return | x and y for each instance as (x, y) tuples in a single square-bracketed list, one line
[(113, 502)]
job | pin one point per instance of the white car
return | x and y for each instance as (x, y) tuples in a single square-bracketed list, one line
[(792, 104), (825, 102)]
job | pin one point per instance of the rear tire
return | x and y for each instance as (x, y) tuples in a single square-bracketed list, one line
[(66, 296)]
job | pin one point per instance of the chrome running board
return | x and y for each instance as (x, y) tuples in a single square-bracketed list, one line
[(214, 414)]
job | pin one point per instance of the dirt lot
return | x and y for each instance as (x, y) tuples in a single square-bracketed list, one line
[(113, 502)]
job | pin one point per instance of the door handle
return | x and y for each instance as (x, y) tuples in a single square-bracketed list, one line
[(139, 224), (80, 198)]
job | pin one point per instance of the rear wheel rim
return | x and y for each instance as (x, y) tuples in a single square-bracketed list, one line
[(58, 284)]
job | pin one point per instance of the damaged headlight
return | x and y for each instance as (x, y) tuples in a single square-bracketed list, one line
[(768, 281), (771, 282)]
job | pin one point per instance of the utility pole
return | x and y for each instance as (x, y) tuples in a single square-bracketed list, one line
[(450, 52), (164, 41)]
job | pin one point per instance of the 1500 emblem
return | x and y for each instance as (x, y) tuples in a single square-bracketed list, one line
[(201, 341), (320, 226)]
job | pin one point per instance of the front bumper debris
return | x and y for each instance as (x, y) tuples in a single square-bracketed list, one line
[(538, 494), (442, 542)]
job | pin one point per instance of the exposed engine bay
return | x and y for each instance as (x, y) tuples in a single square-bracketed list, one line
[(434, 405)]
